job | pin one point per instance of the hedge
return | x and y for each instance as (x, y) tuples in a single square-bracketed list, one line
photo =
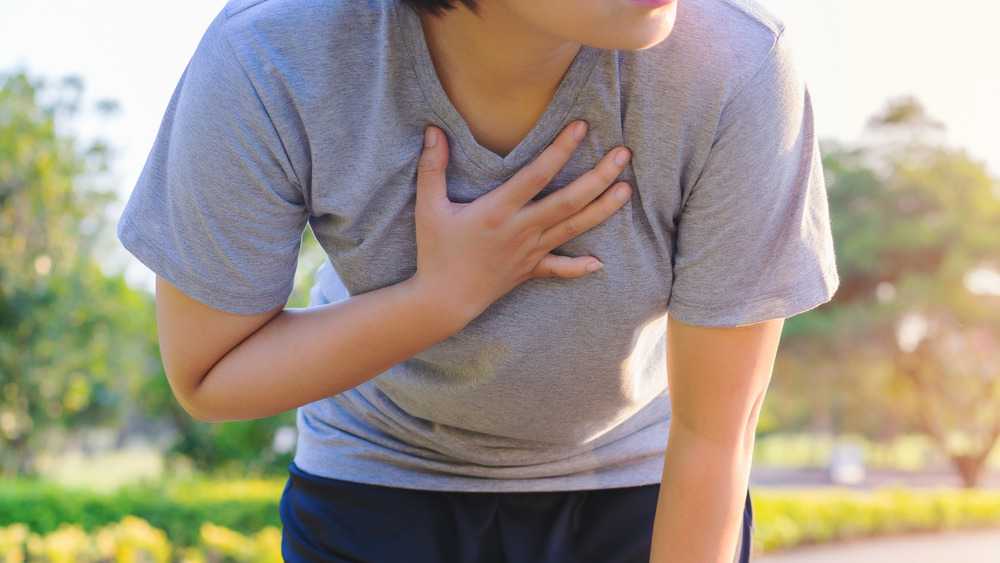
[(196, 518), (133, 540), (178, 509), (786, 518)]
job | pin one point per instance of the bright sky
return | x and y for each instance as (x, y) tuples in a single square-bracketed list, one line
[(856, 54)]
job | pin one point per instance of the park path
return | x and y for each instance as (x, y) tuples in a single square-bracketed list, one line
[(980, 546)]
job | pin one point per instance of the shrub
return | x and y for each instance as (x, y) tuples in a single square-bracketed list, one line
[(176, 508), (791, 517), (238, 521), (133, 540)]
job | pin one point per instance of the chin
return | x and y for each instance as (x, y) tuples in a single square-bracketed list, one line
[(652, 42), (659, 27), (642, 39)]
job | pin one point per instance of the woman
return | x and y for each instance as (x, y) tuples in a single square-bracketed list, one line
[(514, 195)]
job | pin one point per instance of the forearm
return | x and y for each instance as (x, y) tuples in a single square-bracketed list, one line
[(302, 355), (717, 380), (700, 507)]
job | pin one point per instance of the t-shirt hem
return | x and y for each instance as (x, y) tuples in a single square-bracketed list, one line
[(766, 308), (638, 473), (153, 257)]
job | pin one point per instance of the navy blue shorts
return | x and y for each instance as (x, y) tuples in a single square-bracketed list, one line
[(327, 520)]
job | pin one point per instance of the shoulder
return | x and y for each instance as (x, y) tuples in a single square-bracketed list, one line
[(286, 30), (747, 15), (304, 14), (717, 45), (297, 54)]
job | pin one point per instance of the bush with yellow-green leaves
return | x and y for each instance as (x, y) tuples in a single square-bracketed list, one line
[(178, 509), (133, 540), (785, 518), (237, 521)]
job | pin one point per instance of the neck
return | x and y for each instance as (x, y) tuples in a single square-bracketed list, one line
[(493, 48), (498, 72)]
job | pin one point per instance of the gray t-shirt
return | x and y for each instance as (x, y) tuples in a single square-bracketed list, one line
[(314, 110)]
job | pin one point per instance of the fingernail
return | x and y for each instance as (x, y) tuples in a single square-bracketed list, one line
[(580, 130), (622, 193), (594, 266), (430, 138), (622, 156)]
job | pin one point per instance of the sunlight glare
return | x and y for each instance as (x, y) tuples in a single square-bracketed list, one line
[(983, 281), (911, 330)]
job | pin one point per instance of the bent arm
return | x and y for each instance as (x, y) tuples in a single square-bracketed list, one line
[(717, 379), (223, 366)]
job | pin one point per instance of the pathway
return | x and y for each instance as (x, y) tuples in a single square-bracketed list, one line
[(980, 546)]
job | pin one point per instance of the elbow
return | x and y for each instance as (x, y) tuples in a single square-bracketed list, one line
[(189, 402), (748, 431), (729, 433), (732, 439), (754, 416), (192, 400), (204, 413), (200, 414), (210, 403)]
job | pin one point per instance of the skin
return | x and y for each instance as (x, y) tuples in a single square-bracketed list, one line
[(717, 379), (223, 366), (501, 64)]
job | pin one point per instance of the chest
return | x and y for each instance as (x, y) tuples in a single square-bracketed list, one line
[(500, 124)]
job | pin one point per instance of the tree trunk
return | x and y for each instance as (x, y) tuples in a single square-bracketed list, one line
[(970, 468), (16, 459)]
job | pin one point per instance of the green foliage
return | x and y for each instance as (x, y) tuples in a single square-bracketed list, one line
[(78, 346), (311, 256), (905, 453), (786, 518), (906, 345), (69, 332), (178, 509), (233, 448), (133, 540), (204, 520)]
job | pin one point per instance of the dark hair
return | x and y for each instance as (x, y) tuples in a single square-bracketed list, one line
[(438, 7)]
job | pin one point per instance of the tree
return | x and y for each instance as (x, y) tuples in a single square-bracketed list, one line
[(913, 335), (67, 330), (78, 346)]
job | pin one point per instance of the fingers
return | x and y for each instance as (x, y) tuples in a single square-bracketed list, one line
[(432, 186), (590, 216), (535, 176), (553, 265), (579, 193)]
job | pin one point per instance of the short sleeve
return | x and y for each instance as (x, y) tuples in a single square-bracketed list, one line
[(217, 211), (753, 241)]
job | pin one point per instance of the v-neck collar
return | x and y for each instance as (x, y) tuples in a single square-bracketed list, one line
[(541, 135)]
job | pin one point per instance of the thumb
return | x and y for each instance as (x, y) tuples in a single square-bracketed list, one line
[(432, 186)]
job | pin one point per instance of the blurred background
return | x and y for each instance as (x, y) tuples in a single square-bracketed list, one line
[(882, 416)]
